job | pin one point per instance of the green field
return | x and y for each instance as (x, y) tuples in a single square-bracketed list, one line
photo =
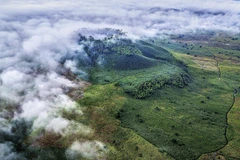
[(173, 102)]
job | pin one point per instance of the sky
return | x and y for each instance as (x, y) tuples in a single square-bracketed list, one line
[(36, 35)]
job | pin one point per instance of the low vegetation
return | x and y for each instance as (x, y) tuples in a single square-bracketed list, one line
[(178, 106)]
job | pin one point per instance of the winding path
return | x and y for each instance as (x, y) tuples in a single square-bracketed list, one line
[(217, 63), (235, 92), (219, 69)]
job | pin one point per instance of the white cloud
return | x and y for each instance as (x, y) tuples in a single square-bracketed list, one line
[(12, 77), (88, 149), (57, 125), (135, 17), (72, 65), (32, 108)]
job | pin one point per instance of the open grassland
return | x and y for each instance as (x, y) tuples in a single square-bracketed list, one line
[(103, 103), (171, 122), (229, 67)]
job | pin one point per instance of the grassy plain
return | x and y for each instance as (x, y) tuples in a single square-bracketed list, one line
[(171, 122)]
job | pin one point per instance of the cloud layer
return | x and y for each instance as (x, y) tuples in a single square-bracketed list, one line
[(38, 45), (138, 18)]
